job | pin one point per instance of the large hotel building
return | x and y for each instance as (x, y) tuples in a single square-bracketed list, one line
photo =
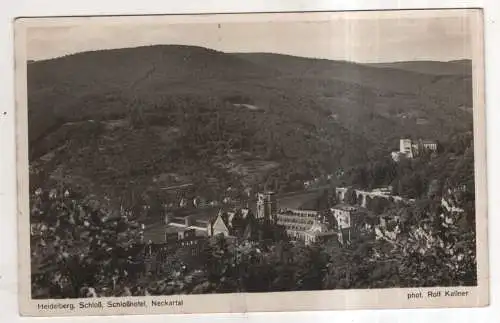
[(303, 225)]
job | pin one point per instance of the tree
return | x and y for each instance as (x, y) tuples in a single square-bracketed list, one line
[(323, 202), (310, 268), (434, 189), (379, 205), (369, 202), (332, 198), (351, 197)]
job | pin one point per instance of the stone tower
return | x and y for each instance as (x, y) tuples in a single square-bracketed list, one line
[(267, 206)]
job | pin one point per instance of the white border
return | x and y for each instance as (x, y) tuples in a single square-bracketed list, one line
[(252, 302)]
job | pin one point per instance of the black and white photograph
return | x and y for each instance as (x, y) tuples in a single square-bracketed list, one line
[(251, 154)]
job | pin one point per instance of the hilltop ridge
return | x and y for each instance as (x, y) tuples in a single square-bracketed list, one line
[(134, 114)]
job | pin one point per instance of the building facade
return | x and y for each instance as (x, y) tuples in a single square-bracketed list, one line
[(233, 224), (405, 147), (342, 214), (296, 220), (183, 244), (343, 217), (219, 226), (303, 225), (318, 232), (412, 149)]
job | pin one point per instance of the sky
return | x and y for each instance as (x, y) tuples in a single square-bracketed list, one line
[(367, 40)]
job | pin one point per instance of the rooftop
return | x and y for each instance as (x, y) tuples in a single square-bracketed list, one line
[(344, 207), (295, 211), (156, 233)]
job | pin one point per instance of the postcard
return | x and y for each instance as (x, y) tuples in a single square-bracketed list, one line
[(251, 162)]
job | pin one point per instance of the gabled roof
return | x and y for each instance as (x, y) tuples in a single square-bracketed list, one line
[(220, 224)]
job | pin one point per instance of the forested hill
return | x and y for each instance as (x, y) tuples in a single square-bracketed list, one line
[(388, 100), (162, 115), (458, 67)]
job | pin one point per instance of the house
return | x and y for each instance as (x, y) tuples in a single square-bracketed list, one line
[(180, 245), (318, 232), (342, 214), (219, 226), (429, 144), (412, 149), (350, 219), (406, 147), (239, 223)]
